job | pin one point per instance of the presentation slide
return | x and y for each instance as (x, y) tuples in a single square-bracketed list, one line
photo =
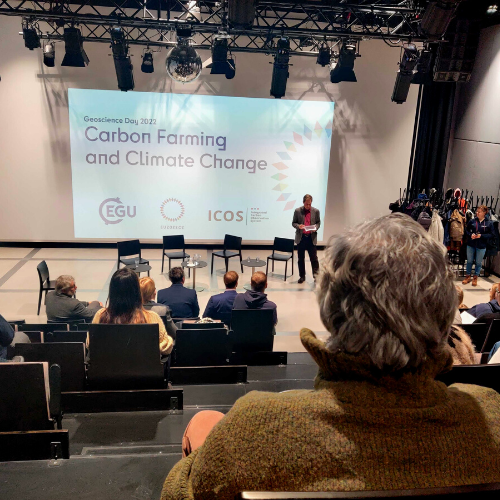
[(146, 165)]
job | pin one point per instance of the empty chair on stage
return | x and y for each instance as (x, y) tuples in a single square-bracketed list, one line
[(132, 250), (232, 248)]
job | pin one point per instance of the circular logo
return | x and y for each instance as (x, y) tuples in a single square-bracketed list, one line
[(172, 209)]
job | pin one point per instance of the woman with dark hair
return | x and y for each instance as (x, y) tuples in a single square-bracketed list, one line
[(124, 306)]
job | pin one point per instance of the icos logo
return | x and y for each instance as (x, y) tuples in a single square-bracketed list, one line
[(113, 211), (172, 209)]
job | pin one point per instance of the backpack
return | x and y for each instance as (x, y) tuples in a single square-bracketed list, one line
[(456, 226)]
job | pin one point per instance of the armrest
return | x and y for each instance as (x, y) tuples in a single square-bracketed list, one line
[(55, 394)]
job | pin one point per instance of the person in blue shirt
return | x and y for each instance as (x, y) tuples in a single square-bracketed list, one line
[(183, 302), (220, 306)]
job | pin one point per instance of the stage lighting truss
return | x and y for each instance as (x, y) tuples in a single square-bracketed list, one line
[(308, 25)]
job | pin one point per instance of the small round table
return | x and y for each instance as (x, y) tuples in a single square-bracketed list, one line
[(141, 268), (253, 263), (200, 264)]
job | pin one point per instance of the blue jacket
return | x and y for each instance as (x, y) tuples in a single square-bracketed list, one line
[(182, 301), (220, 306), (485, 229), (6, 337), (484, 308)]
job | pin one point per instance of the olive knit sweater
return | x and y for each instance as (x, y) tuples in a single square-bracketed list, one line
[(353, 432)]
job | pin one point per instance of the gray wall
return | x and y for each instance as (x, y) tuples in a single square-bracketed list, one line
[(475, 160), (370, 142)]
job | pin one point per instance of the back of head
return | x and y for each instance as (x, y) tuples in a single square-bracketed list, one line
[(64, 283), (231, 279), (176, 275), (385, 290), (148, 289), (125, 301), (258, 281)]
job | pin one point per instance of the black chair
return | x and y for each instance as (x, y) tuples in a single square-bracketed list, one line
[(65, 336), (201, 347), (128, 248), (493, 336), (68, 321), (174, 243), (46, 284), (285, 247), (478, 333), (472, 492), (230, 243), (483, 375), (124, 357), (42, 327), (252, 330), (201, 326), (69, 356)]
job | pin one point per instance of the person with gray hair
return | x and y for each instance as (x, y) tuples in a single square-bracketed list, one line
[(61, 304), (377, 419)]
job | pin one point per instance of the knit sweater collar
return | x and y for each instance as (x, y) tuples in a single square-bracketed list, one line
[(352, 378)]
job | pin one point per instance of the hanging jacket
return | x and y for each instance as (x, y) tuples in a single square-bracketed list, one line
[(493, 244), (457, 226), (484, 228), (436, 230)]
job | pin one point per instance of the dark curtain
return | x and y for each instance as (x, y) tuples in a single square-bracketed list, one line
[(434, 127)]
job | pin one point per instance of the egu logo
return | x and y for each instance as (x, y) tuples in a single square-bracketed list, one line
[(113, 211)]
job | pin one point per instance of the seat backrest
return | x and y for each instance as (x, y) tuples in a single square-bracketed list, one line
[(476, 491), (232, 242), (201, 326), (252, 330), (477, 332), (493, 335), (70, 322), (283, 245), (124, 357), (69, 356), (65, 336), (42, 327), (43, 272), (201, 347), (173, 242), (483, 375), (131, 247), (24, 404)]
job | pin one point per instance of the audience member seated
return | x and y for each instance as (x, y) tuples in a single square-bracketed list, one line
[(460, 294), (220, 306), (377, 419), (125, 307), (61, 302), (256, 298), (183, 302), (6, 337), (487, 307), (148, 293), (461, 347)]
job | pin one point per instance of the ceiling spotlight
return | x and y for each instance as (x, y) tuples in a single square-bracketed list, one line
[(280, 68), (437, 17), (75, 55), (49, 55), (121, 58), (405, 74), (222, 64), (342, 66), (492, 9), (324, 56), (31, 37), (424, 67), (183, 62), (147, 62)]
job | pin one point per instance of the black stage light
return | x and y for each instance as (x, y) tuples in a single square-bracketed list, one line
[(49, 55), (342, 68), (424, 67), (405, 74), (123, 66), (75, 55), (324, 56), (437, 17), (221, 64), (147, 62), (31, 38), (280, 68)]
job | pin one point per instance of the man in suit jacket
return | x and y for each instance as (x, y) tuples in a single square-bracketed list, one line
[(62, 304), (220, 306), (183, 302), (306, 240)]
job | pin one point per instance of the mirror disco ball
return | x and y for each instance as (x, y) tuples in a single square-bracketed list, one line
[(183, 63)]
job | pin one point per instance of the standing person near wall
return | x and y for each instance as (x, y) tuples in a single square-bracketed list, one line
[(306, 240), (478, 230)]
